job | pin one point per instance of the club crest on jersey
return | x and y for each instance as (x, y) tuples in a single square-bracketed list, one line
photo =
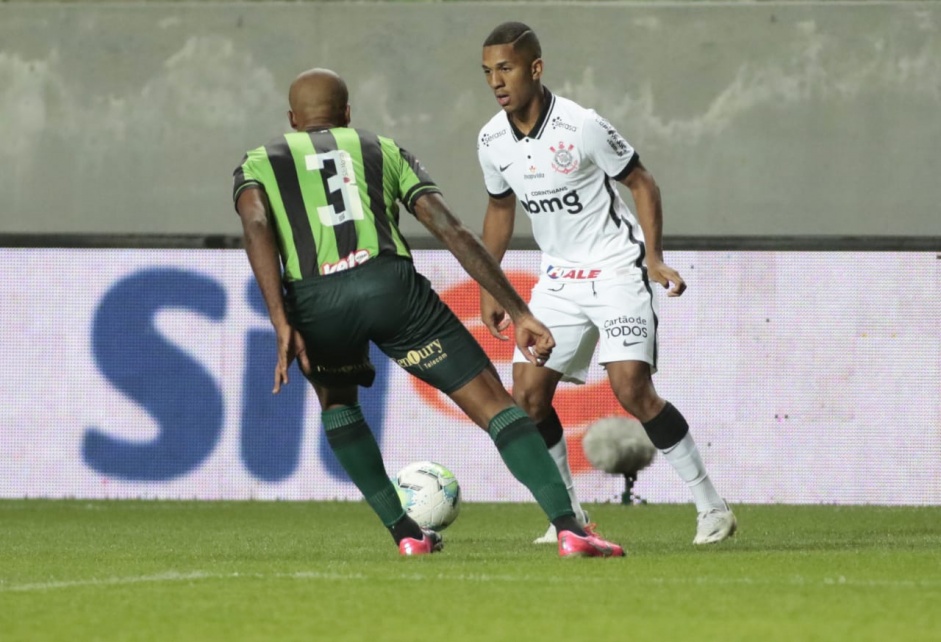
[(571, 274), (564, 160)]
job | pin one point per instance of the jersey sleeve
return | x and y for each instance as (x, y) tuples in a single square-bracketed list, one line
[(413, 180), (244, 177), (609, 150), (496, 185)]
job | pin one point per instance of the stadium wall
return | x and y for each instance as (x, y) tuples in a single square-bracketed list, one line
[(808, 377), (766, 118)]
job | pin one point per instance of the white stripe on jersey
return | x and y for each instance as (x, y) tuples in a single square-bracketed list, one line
[(563, 177)]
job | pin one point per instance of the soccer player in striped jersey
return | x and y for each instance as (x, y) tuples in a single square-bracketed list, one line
[(319, 209), (560, 161)]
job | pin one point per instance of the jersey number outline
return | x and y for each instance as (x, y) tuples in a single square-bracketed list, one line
[(343, 200)]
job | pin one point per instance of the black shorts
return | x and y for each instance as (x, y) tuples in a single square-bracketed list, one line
[(387, 302)]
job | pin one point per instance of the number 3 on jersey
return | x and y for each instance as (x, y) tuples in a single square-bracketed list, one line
[(339, 180)]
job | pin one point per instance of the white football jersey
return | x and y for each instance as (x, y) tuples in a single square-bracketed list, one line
[(564, 176)]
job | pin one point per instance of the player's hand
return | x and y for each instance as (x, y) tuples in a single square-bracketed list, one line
[(494, 316), (290, 346), (534, 339), (667, 277)]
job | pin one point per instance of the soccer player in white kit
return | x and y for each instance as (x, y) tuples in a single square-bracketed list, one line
[(559, 161)]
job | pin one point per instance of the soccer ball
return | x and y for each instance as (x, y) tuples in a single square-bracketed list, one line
[(430, 494)]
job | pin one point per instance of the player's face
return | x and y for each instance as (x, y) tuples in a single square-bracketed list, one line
[(513, 78)]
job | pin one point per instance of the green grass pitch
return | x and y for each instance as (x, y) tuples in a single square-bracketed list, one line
[(233, 571)]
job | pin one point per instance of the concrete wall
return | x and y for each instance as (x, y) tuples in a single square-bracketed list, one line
[(757, 119)]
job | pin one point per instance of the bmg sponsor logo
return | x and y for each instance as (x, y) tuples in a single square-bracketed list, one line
[(570, 203), (425, 357), (627, 327)]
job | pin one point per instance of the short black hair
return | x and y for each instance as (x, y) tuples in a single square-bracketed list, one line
[(519, 35)]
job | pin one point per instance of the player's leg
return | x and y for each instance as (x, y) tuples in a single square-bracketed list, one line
[(487, 403), (669, 431), (533, 390), (434, 346), (626, 310), (355, 447), (556, 305), (327, 312)]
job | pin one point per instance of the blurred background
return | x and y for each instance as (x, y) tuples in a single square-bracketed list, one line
[(795, 143), (757, 118)]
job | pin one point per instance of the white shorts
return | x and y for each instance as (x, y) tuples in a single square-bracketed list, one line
[(619, 313)]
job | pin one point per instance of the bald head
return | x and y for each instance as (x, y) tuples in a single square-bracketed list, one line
[(318, 98)]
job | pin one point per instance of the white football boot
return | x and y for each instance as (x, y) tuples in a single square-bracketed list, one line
[(551, 537), (715, 525)]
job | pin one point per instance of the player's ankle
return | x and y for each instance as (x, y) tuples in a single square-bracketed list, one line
[(568, 523)]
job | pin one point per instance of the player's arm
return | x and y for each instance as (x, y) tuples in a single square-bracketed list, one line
[(498, 230), (262, 249), (433, 212), (649, 210)]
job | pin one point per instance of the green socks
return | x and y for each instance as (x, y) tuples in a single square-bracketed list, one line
[(514, 433), (357, 451), (524, 453)]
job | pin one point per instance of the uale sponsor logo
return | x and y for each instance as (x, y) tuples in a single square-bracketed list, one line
[(569, 273)]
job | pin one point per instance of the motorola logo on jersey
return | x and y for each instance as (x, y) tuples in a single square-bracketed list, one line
[(626, 327), (569, 203)]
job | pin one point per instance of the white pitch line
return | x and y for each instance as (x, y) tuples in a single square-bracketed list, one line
[(174, 576)]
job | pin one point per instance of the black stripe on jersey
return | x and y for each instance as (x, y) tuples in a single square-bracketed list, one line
[(612, 199), (417, 190), (548, 102), (502, 194), (631, 164), (289, 186), (372, 172), (424, 186), (639, 263), (239, 184), (345, 232), (238, 178)]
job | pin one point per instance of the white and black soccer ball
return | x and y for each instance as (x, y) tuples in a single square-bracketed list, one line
[(429, 493)]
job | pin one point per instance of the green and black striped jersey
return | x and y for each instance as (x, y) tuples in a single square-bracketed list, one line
[(333, 195)]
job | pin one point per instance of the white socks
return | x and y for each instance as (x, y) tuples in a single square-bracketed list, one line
[(560, 456), (685, 459)]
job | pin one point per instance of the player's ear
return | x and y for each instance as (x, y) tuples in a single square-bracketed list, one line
[(292, 120), (537, 68), (346, 115)]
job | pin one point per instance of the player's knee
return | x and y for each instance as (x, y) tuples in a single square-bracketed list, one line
[(534, 403), (636, 397)]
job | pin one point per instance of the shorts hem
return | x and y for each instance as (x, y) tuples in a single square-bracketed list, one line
[(467, 379)]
